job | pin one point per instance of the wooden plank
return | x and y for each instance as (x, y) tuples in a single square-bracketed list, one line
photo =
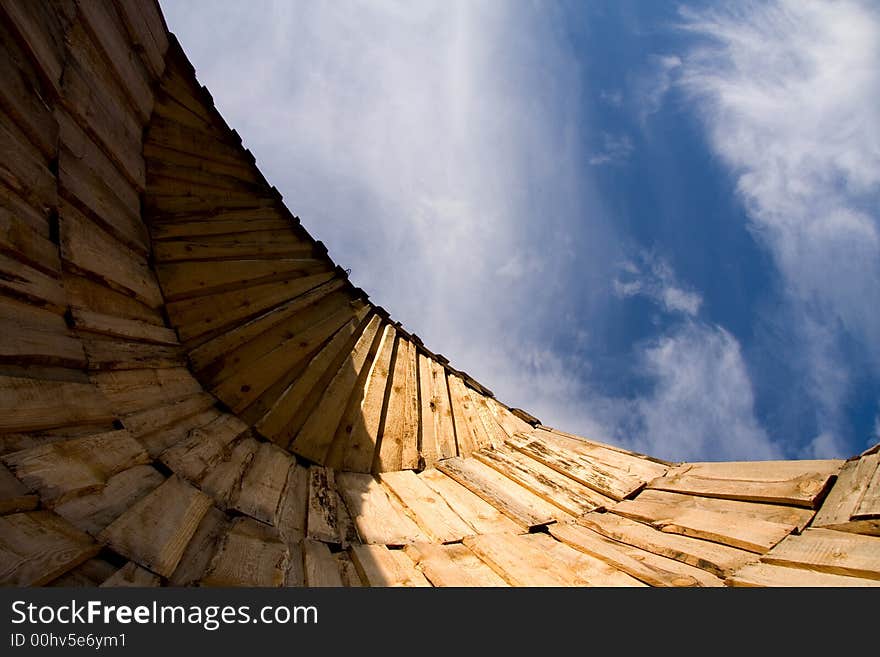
[(97, 570), (715, 558), (846, 494), (93, 512), (476, 512), (869, 504), (203, 447), (323, 506), (469, 430), (649, 568), (131, 391), (263, 483), (321, 567), (196, 317), (587, 569), (348, 571), (496, 433), (217, 226), (25, 170), (116, 354), (169, 133), (376, 519), (293, 505), (203, 251), (514, 501), (251, 554), (316, 435), (548, 484), (15, 496), (746, 533), (224, 480), (829, 551), (130, 329), (430, 511), (41, 29), (769, 575), (145, 27), (398, 447), (357, 434), (169, 413), (31, 286), (34, 335), (32, 404), (65, 469), (167, 163), (156, 530), (296, 574), (508, 421), (89, 250), (608, 481), (201, 549), (132, 575), (781, 482), (156, 442), (379, 566), (38, 546), (98, 297), (22, 242), (437, 433), (452, 565)]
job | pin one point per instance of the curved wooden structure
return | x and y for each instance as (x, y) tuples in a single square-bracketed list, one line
[(192, 392)]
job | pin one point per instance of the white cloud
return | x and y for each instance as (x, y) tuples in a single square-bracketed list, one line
[(652, 277), (790, 95), (615, 150), (651, 88)]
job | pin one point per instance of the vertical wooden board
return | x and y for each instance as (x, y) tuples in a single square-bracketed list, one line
[(38, 546), (33, 404), (223, 482), (263, 483), (469, 430), (514, 501), (92, 513), (32, 335), (25, 170), (251, 554), (316, 435), (496, 433), (348, 571), (508, 421), (358, 433), (379, 566), (321, 567), (452, 565), (41, 28), (869, 503), (293, 505), (23, 239), (429, 435), (829, 551), (201, 549), (147, 32), (398, 442), (770, 575), (844, 496), (715, 558), (519, 561), (295, 575), (156, 530), (203, 447), (374, 516), (65, 469), (132, 575), (322, 512), (430, 511), (25, 283), (14, 496), (476, 512)]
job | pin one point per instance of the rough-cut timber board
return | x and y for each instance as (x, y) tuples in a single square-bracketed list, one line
[(712, 557), (35, 336), (430, 511), (379, 566), (589, 570), (24, 169), (95, 511), (398, 441), (348, 571), (41, 29), (322, 520), (136, 390), (155, 531), (38, 546), (548, 484), (869, 503), (144, 23), (180, 251), (116, 354), (251, 554), (217, 226), (504, 494), (746, 533), (263, 483), (826, 550), (765, 574), (30, 285), (24, 240), (203, 447), (437, 428), (474, 510), (14, 496), (295, 575), (845, 495), (469, 430), (130, 329), (201, 549), (649, 568), (132, 575), (92, 295), (321, 567), (223, 481), (374, 516), (452, 565), (292, 507), (168, 414), (33, 404)]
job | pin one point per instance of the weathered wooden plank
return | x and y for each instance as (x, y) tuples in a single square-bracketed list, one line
[(251, 554), (436, 428), (869, 503), (147, 32), (201, 549), (844, 496), (293, 505), (15, 496), (97, 570), (203, 447), (376, 519), (829, 551), (61, 470), (104, 353), (156, 530), (469, 430), (548, 484), (38, 546), (195, 229), (398, 447), (430, 511), (316, 435), (168, 133), (644, 566), (132, 575), (142, 423), (746, 533), (41, 29), (495, 432), (15, 442), (508, 421), (32, 404), (521, 561), (321, 567), (770, 575), (136, 390), (98, 297), (131, 329), (781, 482), (32, 335), (348, 571), (31, 286), (514, 501), (20, 240), (25, 169), (587, 569), (357, 433), (263, 483), (93, 512), (715, 558), (89, 250), (223, 481), (208, 251), (379, 566), (171, 163), (475, 511), (296, 574), (452, 565), (322, 507), (606, 480), (156, 442)]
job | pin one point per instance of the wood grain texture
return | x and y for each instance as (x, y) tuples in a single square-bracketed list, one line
[(379, 566), (376, 519)]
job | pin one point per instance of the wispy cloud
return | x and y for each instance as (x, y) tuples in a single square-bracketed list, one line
[(615, 149), (652, 277), (651, 88)]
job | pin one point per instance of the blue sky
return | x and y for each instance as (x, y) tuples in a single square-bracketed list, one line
[(653, 224)]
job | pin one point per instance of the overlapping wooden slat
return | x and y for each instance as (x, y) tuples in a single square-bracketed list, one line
[(379, 566), (201, 549), (427, 508), (469, 430), (869, 503), (92, 295), (118, 327), (31, 404), (203, 447), (33, 335), (321, 567), (189, 230), (147, 32), (15, 496), (474, 510), (323, 502), (250, 554), (829, 551), (30, 285), (765, 574), (514, 501), (167, 414), (292, 507), (41, 28), (398, 440), (137, 390), (104, 353), (838, 508), (376, 519), (587, 569), (25, 243), (437, 427), (452, 565), (348, 571), (25, 169), (132, 575), (223, 481)]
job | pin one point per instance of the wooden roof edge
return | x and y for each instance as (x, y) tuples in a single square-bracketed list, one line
[(616, 448), (871, 450)]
